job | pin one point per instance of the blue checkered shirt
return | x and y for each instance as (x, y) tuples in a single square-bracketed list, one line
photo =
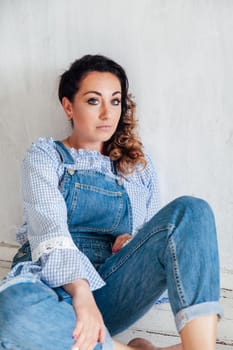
[(55, 258)]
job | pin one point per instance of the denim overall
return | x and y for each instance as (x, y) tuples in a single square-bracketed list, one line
[(177, 249), (98, 208)]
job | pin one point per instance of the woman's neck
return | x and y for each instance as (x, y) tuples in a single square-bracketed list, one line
[(73, 143)]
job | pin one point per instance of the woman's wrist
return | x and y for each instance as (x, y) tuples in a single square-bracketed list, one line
[(77, 287)]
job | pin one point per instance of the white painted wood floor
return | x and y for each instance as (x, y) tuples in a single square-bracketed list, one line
[(158, 325)]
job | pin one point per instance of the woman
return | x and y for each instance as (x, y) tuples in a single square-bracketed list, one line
[(96, 240)]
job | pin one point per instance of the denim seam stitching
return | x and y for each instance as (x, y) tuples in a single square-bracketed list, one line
[(176, 274), (130, 214), (98, 190), (126, 257), (107, 177), (64, 183)]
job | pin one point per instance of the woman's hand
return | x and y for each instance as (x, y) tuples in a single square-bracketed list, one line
[(89, 328), (120, 242)]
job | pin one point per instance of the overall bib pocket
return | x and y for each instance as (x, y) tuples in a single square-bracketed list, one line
[(100, 210)]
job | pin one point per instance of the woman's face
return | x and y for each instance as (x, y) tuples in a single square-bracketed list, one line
[(95, 110)]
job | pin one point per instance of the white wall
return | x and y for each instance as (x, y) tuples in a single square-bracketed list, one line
[(178, 55)]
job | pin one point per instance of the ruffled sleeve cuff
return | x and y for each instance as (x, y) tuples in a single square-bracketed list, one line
[(65, 266)]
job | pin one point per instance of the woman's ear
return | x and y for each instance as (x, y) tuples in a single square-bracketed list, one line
[(67, 106)]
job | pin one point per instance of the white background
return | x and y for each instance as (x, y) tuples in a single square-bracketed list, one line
[(178, 55)]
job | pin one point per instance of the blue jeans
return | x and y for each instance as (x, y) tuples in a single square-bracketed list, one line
[(176, 249), (32, 318)]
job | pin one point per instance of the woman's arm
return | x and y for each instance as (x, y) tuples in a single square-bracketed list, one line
[(46, 216), (153, 201), (89, 328), (62, 264)]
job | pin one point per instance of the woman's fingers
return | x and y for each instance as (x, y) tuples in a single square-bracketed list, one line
[(87, 336), (120, 242), (77, 330), (89, 330), (101, 335)]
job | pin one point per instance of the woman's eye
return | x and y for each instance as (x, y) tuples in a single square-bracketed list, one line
[(93, 101), (116, 102)]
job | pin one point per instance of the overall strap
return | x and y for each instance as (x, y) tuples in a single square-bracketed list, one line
[(64, 153)]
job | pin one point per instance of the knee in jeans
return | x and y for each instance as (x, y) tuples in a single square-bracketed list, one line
[(197, 206), (199, 224)]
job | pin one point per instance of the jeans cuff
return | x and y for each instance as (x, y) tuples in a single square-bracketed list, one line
[(191, 312), (26, 278)]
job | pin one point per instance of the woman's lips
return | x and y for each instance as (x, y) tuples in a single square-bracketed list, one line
[(104, 127)]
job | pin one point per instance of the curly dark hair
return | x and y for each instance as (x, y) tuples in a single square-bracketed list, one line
[(124, 147)]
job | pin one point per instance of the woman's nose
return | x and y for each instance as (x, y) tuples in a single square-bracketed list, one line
[(105, 111)]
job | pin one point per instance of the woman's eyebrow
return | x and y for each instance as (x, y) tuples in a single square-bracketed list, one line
[(99, 94)]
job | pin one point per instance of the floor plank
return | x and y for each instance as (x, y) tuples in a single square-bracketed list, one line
[(4, 268), (160, 340)]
